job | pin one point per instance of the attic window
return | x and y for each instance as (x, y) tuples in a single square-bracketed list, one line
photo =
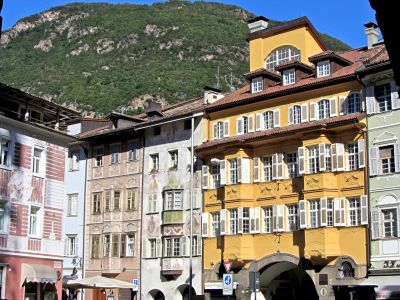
[(289, 76), (323, 68), (280, 56), (257, 85)]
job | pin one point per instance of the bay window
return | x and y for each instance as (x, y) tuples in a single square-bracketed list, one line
[(173, 200)]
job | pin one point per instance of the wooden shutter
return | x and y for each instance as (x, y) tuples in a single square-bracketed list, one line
[(397, 158), (394, 95), (280, 218), (205, 176), (340, 156), (204, 225), (302, 214), (290, 115), (215, 135), (337, 221), (274, 166), (239, 169), (250, 123), (245, 170), (199, 242), (257, 213), (240, 220), (370, 99), (342, 105), (222, 220), (183, 244), (364, 210), (279, 166), (323, 211), (304, 113), (277, 118), (239, 125), (373, 160), (321, 151), (375, 224), (256, 169), (158, 247), (274, 218), (252, 223), (262, 220), (313, 111), (334, 157), (333, 107), (258, 122), (222, 172), (361, 153), (226, 128), (302, 160)]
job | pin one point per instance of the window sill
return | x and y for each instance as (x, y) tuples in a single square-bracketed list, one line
[(72, 216), (34, 237), (75, 170), (4, 167), (173, 169), (154, 171), (151, 212), (95, 167), (132, 160), (38, 175)]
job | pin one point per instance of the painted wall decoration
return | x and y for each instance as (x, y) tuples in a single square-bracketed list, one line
[(20, 186)]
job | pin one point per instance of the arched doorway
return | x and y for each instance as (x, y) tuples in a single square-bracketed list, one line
[(185, 293), (157, 295)]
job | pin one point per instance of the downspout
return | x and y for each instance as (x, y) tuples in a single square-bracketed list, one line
[(191, 206), (142, 140)]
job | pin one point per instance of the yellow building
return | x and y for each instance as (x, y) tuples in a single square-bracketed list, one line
[(283, 179)]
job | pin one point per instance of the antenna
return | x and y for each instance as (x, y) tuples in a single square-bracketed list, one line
[(218, 78), (231, 79)]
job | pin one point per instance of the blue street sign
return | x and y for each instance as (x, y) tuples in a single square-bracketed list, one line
[(227, 284), (135, 285)]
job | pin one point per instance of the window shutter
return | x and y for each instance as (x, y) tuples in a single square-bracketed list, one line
[(204, 224), (274, 218), (226, 128), (183, 250), (324, 203), (245, 170), (145, 247), (301, 157), (280, 218), (370, 99), (123, 245), (364, 210), (333, 107), (397, 157), (252, 223), (345, 204), (302, 214), (215, 135), (334, 157), (286, 226), (257, 212), (375, 224), (277, 118), (239, 169), (279, 166), (313, 109), (222, 172), (256, 169), (258, 122), (251, 123), (340, 156), (158, 247), (361, 153), (205, 176), (222, 218), (336, 212), (274, 166), (373, 160), (321, 151), (394, 95), (262, 220), (199, 244), (304, 113), (240, 220), (290, 115), (239, 125), (66, 246), (342, 105)]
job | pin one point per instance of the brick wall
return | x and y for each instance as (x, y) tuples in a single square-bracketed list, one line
[(55, 163)]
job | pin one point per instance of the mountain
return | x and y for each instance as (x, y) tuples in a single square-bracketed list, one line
[(102, 57)]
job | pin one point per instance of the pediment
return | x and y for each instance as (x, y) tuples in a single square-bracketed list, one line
[(385, 137)]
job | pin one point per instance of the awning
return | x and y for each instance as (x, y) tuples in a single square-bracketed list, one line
[(37, 273), (382, 281), (99, 282), (217, 285)]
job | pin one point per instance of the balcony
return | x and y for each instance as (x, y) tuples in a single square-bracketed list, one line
[(172, 266), (172, 217)]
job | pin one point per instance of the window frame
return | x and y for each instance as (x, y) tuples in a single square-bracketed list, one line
[(132, 148), (5, 213), (130, 241), (72, 245), (393, 222), (257, 84), (38, 225), (233, 171), (233, 220), (95, 246), (267, 219), (38, 163), (5, 152), (97, 198), (315, 213), (385, 98), (293, 217), (70, 205), (154, 162), (268, 120), (352, 153), (115, 154), (131, 198), (215, 224), (313, 159), (324, 109), (172, 246), (353, 103), (292, 166), (267, 168), (354, 212), (173, 159), (277, 56), (289, 77), (98, 156), (73, 161), (173, 204), (323, 68)]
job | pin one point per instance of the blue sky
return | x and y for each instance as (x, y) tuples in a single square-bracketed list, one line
[(342, 19)]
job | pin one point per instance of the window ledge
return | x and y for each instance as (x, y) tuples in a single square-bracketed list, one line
[(151, 212)]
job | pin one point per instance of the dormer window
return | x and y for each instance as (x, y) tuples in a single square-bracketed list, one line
[(281, 55), (323, 68), (289, 76), (257, 85)]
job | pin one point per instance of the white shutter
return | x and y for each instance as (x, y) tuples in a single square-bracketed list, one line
[(245, 170), (204, 225), (215, 135), (158, 247), (370, 99), (262, 220), (321, 151), (199, 242), (274, 218), (333, 107), (302, 160), (256, 169), (66, 246), (251, 215), (240, 220), (313, 111), (239, 169), (205, 176), (274, 166), (258, 122), (222, 225), (364, 210), (394, 95), (324, 217), (250, 123), (226, 128), (290, 115), (361, 153), (397, 157), (334, 157), (286, 226), (342, 105), (280, 218), (340, 156), (183, 244), (145, 248), (375, 224), (257, 213), (304, 113), (337, 221), (373, 160), (74, 205), (239, 125), (277, 118), (222, 172), (302, 214), (279, 166)]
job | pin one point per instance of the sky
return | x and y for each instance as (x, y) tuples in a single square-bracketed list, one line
[(342, 19)]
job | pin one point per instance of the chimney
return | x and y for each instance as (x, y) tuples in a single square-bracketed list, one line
[(211, 95), (257, 24), (153, 110), (372, 33)]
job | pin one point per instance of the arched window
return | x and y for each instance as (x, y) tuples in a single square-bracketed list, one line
[(281, 55), (268, 119), (346, 270), (323, 109), (353, 103)]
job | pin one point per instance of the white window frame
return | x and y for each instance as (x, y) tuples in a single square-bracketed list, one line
[(233, 220), (292, 217), (172, 246), (38, 162), (5, 152), (246, 220), (323, 68), (154, 163), (130, 241), (329, 212), (96, 205), (107, 245), (74, 159), (38, 226), (233, 171), (173, 159), (132, 151), (98, 156), (281, 55), (267, 168), (297, 114), (313, 159), (314, 213), (292, 165), (394, 222), (115, 154), (354, 211), (268, 119), (353, 103), (5, 213), (131, 198), (324, 109), (267, 219), (384, 99), (352, 152), (95, 246), (257, 85), (72, 205), (289, 76), (215, 175), (173, 200), (152, 202), (215, 224), (72, 245)]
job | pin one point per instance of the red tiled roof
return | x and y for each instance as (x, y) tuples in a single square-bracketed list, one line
[(261, 71), (328, 54), (380, 55), (293, 63), (94, 132), (279, 131)]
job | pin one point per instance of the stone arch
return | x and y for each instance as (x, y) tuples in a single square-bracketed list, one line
[(257, 265), (183, 290), (347, 259), (388, 199), (157, 294)]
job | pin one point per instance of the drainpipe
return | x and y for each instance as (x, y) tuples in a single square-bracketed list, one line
[(191, 206), (142, 140)]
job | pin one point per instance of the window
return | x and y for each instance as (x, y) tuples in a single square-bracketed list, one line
[(132, 151), (130, 244), (293, 222), (215, 224), (291, 165), (246, 220), (329, 212), (34, 221), (152, 203), (354, 212), (96, 203), (257, 85), (383, 97), (173, 160), (153, 248), (314, 213), (323, 109), (4, 152), (296, 114), (267, 168), (74, 161), (130, 199), (116, 200), (115, 245), (187, 124), (289, 76), (107, 200), (157, 131), (389, 220), (352, 156), (313, 162), (353, 102), (323, 68), (387, 162), (219, 130), (94, 253), (154, 163), (215, 174), (37, 162), (72, 245), (196, 244), (72, 209), (268, 120), (233, 171), (172, 246), (233, 221), (3, 217), (106, 245), (115, 151), (173, 200), (267, 219), (31, 115), (282, 55), (328, 157), (98, 157)]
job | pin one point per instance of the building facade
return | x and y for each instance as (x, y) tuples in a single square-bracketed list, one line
[(33, 151), (285, 196)]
